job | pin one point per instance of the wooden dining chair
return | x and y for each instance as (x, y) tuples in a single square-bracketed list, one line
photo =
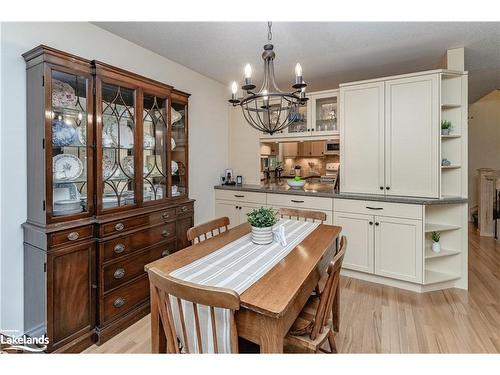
[(293, 213), (164, 286), (315, 322), (206, 230)]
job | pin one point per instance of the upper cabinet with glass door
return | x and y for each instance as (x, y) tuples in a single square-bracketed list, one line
[(179, 144), (319, 117)]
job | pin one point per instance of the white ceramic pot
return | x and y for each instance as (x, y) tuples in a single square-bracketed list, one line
[(262, 236), (445, 131), (436, 247)]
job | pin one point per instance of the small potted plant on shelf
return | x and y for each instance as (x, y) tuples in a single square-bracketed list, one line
[(436, 246), (262, 221), (445, 127)]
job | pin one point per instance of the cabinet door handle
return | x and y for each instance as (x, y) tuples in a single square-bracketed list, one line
[(381, 188), (165, 233), (119, 302), (119, 274), (239, 196), (387, 188), (73, 236), (374, 208), (377, 223), (119, 226), (165, 215), (296, 201), (164, 253), (119, 248), (371, 222)]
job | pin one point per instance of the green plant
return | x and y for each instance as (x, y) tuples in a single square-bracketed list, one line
[(262, 217), (436, 236), (445, 124)]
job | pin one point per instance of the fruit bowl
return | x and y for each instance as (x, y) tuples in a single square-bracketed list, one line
[(296, 184)]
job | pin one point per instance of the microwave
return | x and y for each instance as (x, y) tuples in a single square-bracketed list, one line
[(332, 147)]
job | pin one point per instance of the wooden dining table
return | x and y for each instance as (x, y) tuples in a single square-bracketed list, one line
[(270, 305)]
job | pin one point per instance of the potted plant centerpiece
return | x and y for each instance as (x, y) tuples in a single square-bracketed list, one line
[(445, 127), (436, 246), (262, 221)]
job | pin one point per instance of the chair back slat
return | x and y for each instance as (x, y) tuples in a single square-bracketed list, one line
[(214, 329), (327, 296), (165, 286), (183, 325), (201, 232), (293, 213)]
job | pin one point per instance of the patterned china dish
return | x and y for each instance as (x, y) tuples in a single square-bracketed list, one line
[(108, 165), (176, 116), (126, 135), (175, 167), (66, 167), (65, 191), (128, 166), (63, 134), (63, 95), (81, 132), (172, 143), (149, 142)]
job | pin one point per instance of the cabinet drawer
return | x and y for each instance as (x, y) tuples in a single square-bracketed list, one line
[(117, 273), (410, 211), (299, 201), (71, 235), (241, 196), (124, 245), (125, 298), (185, 208)]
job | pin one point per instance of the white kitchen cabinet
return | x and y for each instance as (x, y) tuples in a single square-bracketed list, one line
[(412, 129), (358, 228), (234, 210), (324, 113), (362, 138), (398, 248)]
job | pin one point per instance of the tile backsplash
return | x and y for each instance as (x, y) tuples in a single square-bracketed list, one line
[(309, 166)]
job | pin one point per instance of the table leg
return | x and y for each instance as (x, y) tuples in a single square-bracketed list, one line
[(158, 339), (271, 336)]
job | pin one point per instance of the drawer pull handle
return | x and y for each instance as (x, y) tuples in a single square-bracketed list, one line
[(165, 215), (296, 201), (164, 253), (119, 248), (374, 208), (73, 236), (370, 222), (119, 226), (387, 188), (165, 233), (239, 196), (119, 274), (381, 188), (184, 208), (377, 223), (119, 302)]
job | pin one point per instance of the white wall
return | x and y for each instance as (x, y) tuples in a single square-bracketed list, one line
[(208, 129), (484, 139)]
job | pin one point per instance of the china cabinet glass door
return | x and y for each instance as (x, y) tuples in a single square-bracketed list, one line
[(299, 122), (179, 149), (118, 127), (69, 145), (155, 151), (325, 114)]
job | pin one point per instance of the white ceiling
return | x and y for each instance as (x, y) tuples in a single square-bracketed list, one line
[(329, 52)]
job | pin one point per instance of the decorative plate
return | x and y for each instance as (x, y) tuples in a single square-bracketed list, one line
[(81, 132), (128, 165), (175, 167), (176, 116), (66, 167), (172, 143), (63, 95), (65, 191), (62, 134), (149, 142), (126, 134), (108, 165)]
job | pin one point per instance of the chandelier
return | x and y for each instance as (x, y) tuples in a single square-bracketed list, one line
[(269, 110)]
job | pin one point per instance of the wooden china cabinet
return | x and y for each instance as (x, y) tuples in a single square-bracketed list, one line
[(107, 193)]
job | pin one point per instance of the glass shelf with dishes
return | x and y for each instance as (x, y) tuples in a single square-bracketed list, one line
[(117, 108), (69, 125), (178, 151), (155, 154)]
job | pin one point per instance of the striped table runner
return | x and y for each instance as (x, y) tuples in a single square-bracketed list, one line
[(235, 266)]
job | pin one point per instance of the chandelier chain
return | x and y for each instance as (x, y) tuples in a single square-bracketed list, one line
[(269, 32)]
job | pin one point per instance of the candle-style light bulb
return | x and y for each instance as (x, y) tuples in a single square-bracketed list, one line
[(265, 95), (248, 71), (234, 88), (298, 70)]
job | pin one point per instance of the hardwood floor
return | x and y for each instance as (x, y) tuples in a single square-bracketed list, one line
[(381, 319)]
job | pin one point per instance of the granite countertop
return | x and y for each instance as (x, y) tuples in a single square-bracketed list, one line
[(327, 191)]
